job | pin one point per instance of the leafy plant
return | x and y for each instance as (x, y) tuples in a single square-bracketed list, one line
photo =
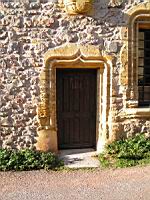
[(27, 160), (126, 153)]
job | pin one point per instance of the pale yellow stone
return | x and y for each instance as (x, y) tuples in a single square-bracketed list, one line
[(74, 7), (47, 141), (138, 112), (72, 50)]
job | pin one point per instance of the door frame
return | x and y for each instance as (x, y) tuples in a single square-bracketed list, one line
[(73, 56)]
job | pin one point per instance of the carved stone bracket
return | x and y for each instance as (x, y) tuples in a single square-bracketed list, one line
[(76, 6)]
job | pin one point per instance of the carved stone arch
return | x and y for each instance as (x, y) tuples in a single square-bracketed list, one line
[(128, 76), (72, 56)]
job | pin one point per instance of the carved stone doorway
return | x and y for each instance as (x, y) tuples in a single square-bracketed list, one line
[(73, 56)]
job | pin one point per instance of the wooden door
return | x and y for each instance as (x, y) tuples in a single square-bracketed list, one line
[(76, 108)]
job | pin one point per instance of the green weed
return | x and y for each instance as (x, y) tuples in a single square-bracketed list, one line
[(127, 153), (27, 160)]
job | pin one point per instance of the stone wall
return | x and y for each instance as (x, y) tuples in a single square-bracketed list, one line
[(27, 31)]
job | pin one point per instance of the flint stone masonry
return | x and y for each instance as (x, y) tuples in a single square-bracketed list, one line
[(27, 31)]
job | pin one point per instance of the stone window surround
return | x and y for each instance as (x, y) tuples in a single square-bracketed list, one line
[(129, 77), (73, 56)]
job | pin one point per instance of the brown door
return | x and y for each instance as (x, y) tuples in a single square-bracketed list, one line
[(76, 108)]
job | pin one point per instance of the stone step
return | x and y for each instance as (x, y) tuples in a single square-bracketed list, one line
[(79, 158)]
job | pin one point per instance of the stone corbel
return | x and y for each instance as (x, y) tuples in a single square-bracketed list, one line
[(74, 7)]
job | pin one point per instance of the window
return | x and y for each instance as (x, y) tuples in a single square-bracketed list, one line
[(144, 64), (135, 74)]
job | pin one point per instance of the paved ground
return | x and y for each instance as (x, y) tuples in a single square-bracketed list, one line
[(79, 158), (122, 184)]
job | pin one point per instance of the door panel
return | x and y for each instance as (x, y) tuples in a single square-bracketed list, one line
[(76, 108)]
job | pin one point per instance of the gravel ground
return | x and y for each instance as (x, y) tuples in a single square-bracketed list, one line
[(120, 184)]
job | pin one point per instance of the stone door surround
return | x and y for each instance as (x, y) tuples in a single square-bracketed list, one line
[(72, 56)]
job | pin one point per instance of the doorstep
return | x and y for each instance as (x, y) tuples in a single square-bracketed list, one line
[(79, 158)]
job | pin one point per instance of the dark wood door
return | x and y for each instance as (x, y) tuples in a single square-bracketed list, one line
[(76, 108)]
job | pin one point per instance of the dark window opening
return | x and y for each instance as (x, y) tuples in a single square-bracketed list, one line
[(144, 67)]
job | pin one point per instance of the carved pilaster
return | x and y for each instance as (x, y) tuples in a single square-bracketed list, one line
[(43, 107)]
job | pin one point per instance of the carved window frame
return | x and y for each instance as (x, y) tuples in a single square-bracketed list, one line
[(129, 75), (144, 24)]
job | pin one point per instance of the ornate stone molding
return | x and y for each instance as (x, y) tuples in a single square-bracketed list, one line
[(64, 55), (76, 6), (72, 56), (71, 51)]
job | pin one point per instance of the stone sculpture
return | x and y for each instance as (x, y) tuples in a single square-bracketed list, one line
[(76, 6)]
